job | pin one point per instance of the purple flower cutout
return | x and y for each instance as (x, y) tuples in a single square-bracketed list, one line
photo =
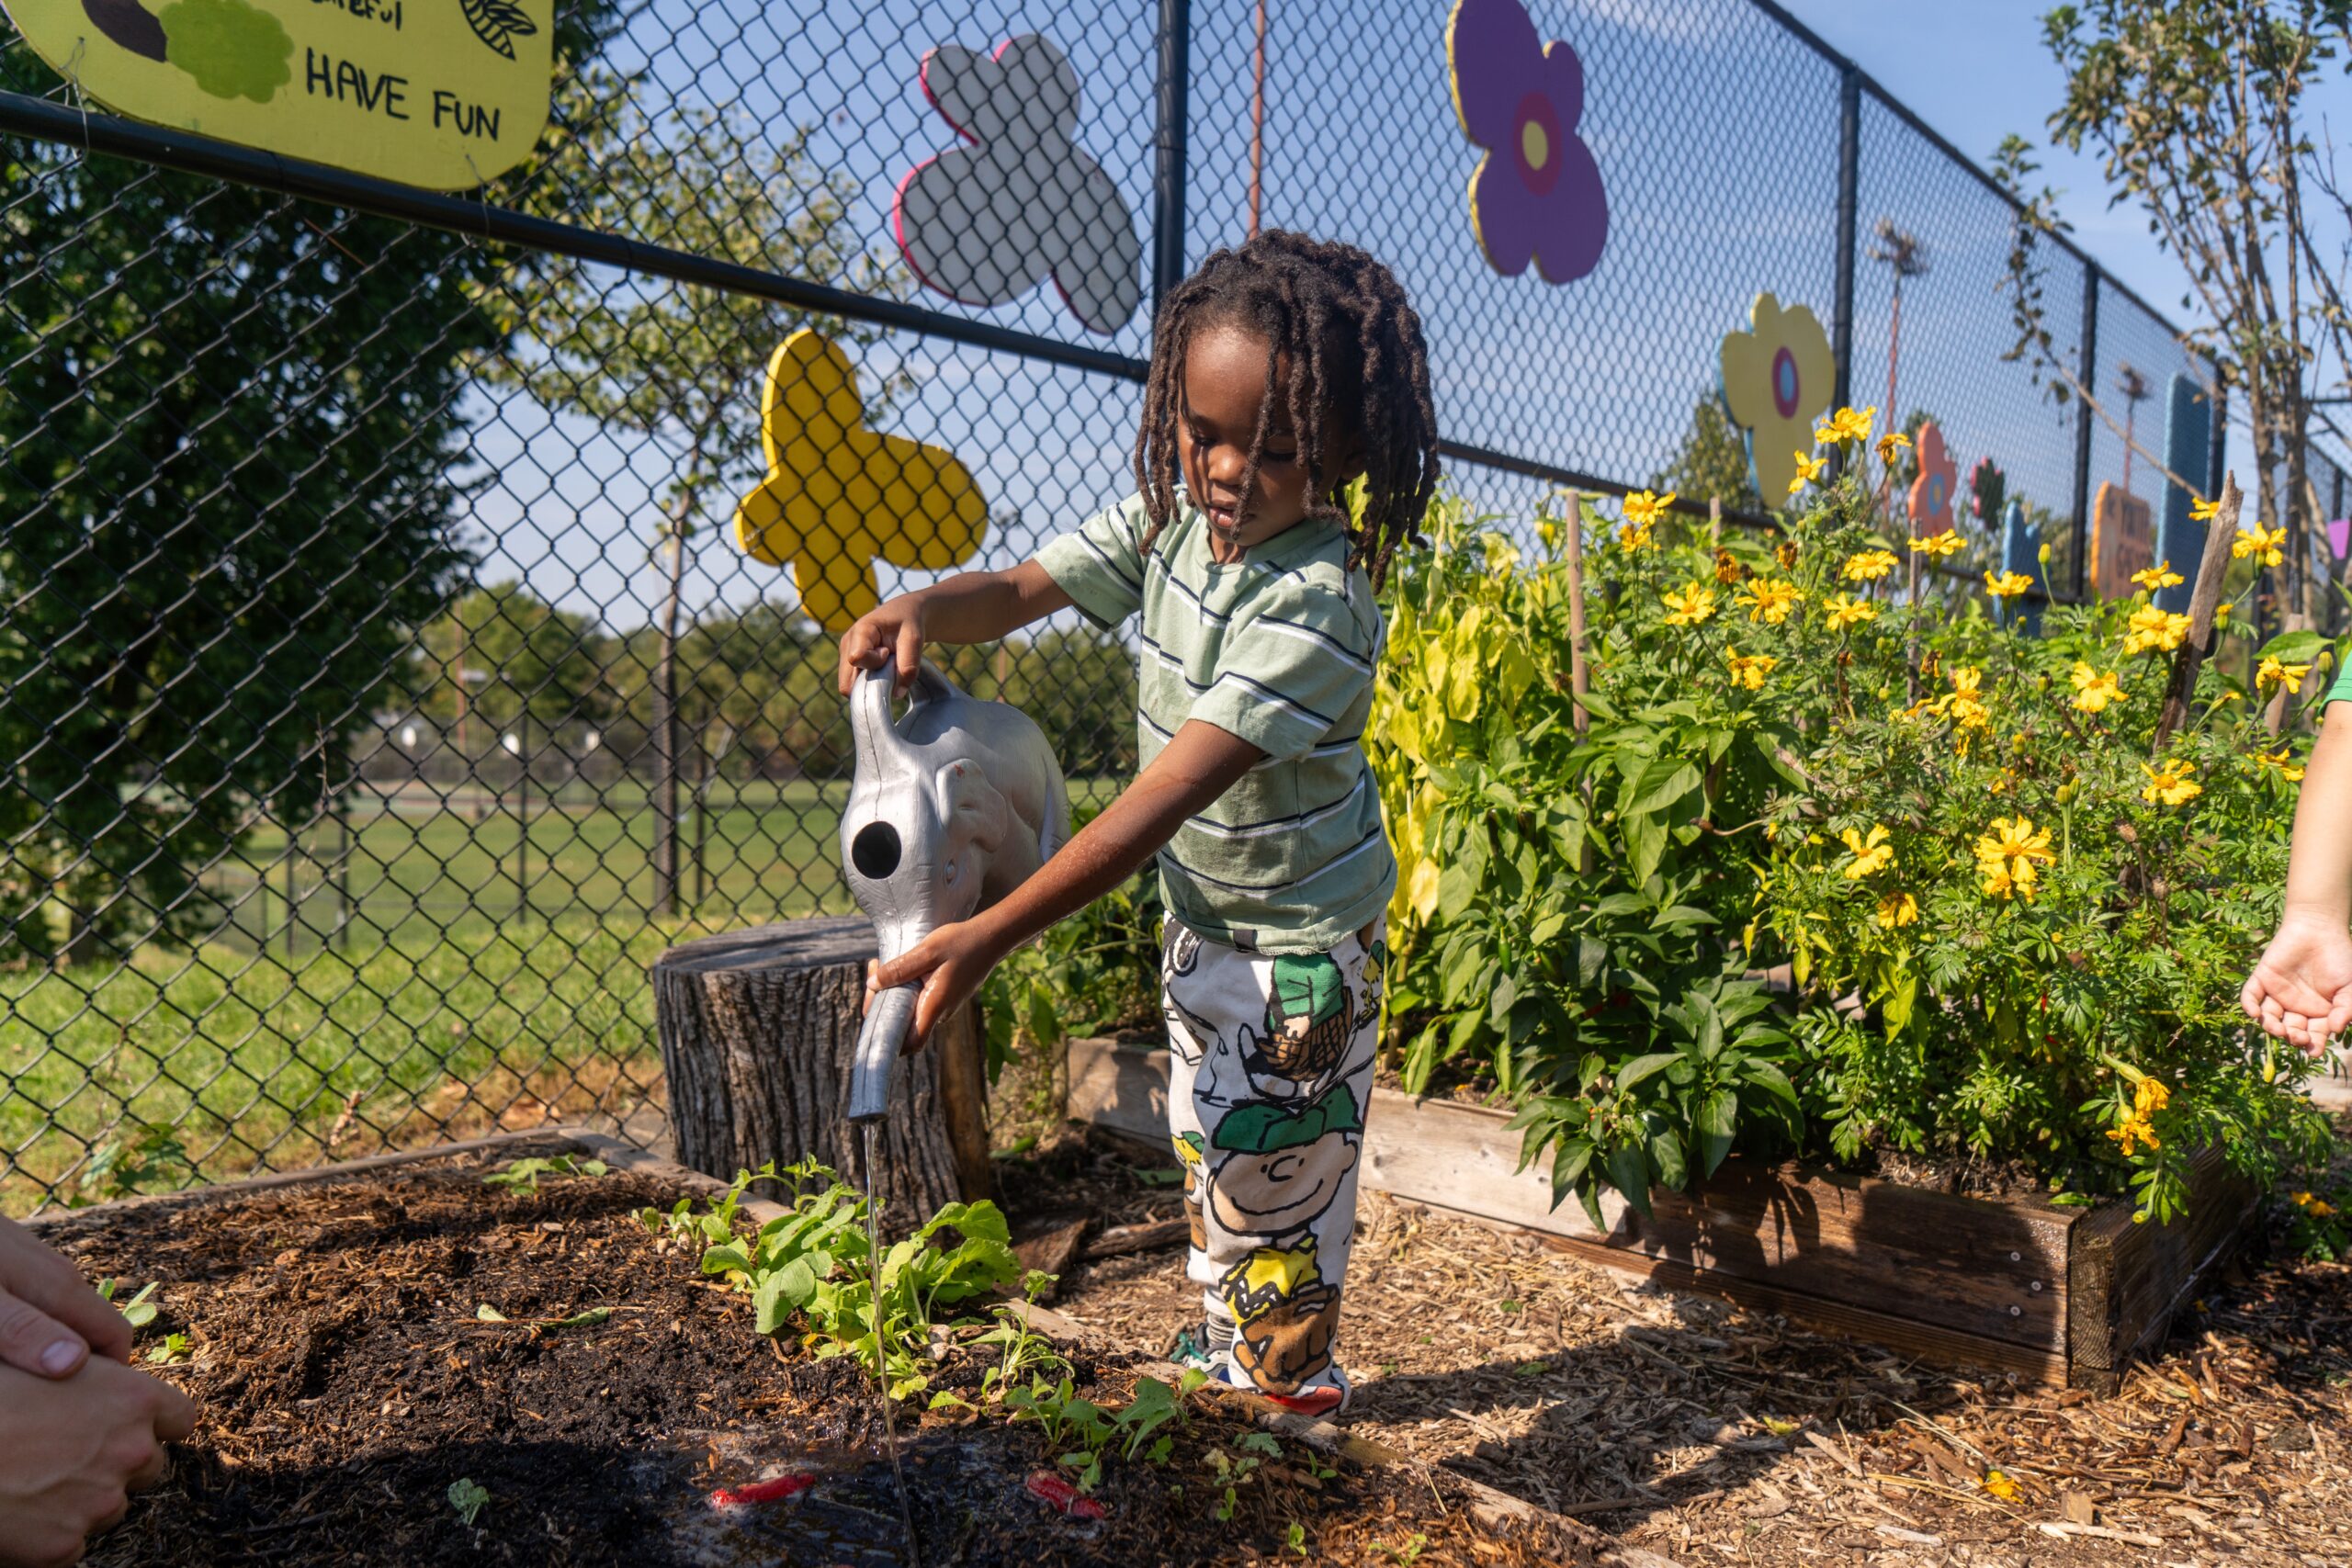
[(1536, 195)]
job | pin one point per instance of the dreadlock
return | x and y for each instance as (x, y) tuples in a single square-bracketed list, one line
[(1340, 323)]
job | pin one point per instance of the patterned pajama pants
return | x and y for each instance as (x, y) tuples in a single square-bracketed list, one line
[(1270, 1075)]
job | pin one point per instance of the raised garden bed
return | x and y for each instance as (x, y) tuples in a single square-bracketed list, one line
[(350, 1378), (2054, 1294)]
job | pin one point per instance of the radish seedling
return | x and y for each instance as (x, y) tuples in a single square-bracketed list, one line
[(468, 1498), (173, 1349), (138, 1312), (525, 1175)]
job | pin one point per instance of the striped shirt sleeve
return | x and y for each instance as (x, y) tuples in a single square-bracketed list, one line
[(1291, 672), (1100, 564)]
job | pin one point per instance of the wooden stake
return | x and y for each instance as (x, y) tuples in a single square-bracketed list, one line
[(2197, 646), (1714, 522), (1579, 676)]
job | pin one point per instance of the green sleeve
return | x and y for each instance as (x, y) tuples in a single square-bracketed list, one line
[(2340, 690)]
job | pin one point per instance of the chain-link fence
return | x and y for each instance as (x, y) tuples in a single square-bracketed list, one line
[(381, 681)]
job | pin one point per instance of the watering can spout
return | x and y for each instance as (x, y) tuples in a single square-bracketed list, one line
[(879, 1041)]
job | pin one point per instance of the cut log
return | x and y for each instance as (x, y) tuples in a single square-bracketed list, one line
[(759, 1030)]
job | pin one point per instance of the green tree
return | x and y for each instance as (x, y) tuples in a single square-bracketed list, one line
[(677, 364), (1711, 463), (228, 422)]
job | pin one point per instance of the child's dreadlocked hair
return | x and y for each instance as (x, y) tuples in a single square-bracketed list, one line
[(1338, 321)]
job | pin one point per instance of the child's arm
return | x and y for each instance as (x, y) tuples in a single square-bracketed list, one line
[(2301, 990), (971, 607), (1200, 763)]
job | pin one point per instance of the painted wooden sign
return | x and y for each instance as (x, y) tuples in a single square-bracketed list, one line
[(1931, 493), (986, 223), (2124, 540), (1777, 378), (445, 94), (838, 495), (1537, 195)]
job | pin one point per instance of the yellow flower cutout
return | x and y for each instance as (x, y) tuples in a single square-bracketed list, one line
[(2202, 511), (1897, 909), (1843, 612), (2152, 628), (1690, 606), (2175, 784), (1808, 471), (1777, 376), (2284, 760), (2262, 544), (1747, 671), (1948, 543), (2006, 856), (2094, 691), (1768, 601), (2155, 577), (2006, 584), (1847, 424), (1644, 508), (1893, 441), (1868, 566), (2287, 675), (837, 495), (1872, 855)]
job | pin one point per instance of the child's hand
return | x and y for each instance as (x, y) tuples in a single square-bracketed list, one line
[(2301, 990), (892, 630), (950, 965)]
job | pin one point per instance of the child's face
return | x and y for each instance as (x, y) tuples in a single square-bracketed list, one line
[(1225, 380)]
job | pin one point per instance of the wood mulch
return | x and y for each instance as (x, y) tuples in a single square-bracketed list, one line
[(1701, 1432)]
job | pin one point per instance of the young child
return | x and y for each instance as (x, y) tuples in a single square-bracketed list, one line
[(2302, 989), (1281, 371)]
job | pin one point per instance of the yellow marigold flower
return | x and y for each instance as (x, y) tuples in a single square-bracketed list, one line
[(1768, 601), (1808, 470), (2005, 879), (2132, 1129), (1748, 671), (2002, 782), (2175, 784), (2222, 614), (1690, 606), (1897, 909), (1636, 536), (2319, 1207), (2284, 760), (2148, 1097), (1786, 552), (1845, 611), (2152, 628), (2000, 1486), (1727, 567), (2006, 857), (1893, 441), (1869, 566), (1872, 855), (1948, 543), (2094, 691), (1965, 705), (2263, 545), (2303, 1200), (2155, 576), (2202, 511), (2287, 675), (1847, 424), (2008, 584), (1644, 508)]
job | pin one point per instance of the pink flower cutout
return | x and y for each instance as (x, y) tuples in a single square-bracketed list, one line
[(1931, 492), (1537, 194)]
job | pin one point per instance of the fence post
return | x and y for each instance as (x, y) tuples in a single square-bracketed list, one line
[(1850, 171), (2089, 361), (1167, 180)]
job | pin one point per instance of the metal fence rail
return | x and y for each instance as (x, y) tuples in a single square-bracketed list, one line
[(381, 682)]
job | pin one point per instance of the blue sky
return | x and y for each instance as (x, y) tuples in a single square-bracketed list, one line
[(1716, 138)]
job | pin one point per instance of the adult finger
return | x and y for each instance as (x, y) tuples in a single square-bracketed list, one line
[(175, 1413), (909, 653), (32, 1341)]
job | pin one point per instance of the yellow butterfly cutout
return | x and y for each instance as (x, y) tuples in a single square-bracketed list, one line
[(837, 494)]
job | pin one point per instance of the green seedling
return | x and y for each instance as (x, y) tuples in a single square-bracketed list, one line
[(525, 1175), (1407, 1554), (1085, 1429), (173, 1349), (139, 1310), (586, 1318), (1296, 1537), (468, 1498)]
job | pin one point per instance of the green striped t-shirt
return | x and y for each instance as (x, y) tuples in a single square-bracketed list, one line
[(1278, 648)]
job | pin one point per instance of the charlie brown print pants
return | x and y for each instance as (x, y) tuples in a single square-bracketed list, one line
[(1270, 1075)]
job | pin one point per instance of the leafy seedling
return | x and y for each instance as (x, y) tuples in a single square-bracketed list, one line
[(139, 1310), (173, 1351), (1296, 1537), (1405, 1556), (468, 1498), (525, 1175)]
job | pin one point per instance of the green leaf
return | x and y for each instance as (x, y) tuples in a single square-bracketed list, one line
[(781, 1292), (586, 1318), (720, 1259), (1666, 1153), (2294, 647), (1718, 1117), (1764, 1076), (1629, 1172), (1641, 1069)]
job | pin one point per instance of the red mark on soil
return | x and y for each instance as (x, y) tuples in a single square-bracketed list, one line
[(1062, 1497), (775, 1491)]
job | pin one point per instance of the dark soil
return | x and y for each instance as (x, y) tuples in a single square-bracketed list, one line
[(347, 1382)]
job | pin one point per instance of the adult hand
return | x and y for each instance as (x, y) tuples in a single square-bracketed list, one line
[(51, 1320), (2301, 990), (892, 631), (73, 1449), (950, 965)]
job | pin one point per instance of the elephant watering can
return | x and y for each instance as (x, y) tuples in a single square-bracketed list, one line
[(954, 804)]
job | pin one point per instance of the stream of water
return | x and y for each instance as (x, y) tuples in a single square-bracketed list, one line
[(881, 1364)]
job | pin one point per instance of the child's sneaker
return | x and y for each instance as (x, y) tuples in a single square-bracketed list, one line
[(1192, 1348), (1323, 1402)]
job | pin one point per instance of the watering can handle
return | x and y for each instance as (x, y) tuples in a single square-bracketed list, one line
[(880, 1040)]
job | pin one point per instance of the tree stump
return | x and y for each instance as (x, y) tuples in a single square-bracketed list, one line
[(759, 1030)]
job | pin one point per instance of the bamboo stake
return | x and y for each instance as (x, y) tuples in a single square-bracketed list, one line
[(1579, 676), (1714, 522), (2197, 646)]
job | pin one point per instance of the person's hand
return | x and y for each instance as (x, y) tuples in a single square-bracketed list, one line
[(73, 1449), (892, 630), (2301, 990), (950, 965), (51, 1320)]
